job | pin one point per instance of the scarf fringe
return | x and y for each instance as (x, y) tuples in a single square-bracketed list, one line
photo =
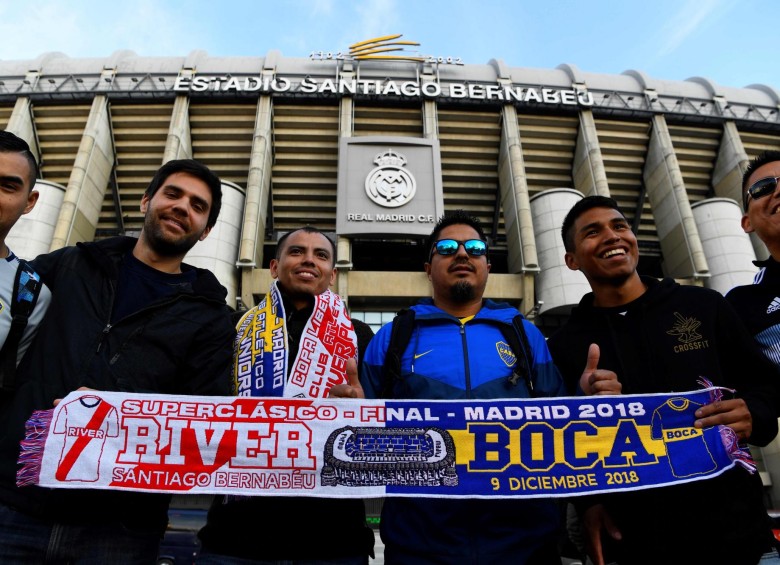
[(740, 455), (31, 456)]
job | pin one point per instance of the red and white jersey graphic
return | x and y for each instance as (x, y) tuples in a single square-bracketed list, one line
[(86, 423)]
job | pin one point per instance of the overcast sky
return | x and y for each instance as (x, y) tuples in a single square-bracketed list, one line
[(731, 42)]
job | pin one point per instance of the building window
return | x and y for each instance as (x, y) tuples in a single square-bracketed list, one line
[(374, 319)]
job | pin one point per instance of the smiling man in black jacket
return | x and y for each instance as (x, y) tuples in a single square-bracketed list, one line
[(126, 315), (658, 336)]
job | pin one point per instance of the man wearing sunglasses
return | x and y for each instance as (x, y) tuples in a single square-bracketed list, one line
[(453, 354), (759, 303)]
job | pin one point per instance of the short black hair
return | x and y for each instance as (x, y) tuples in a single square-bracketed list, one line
[(452, 218), (307, 229), (197, 170), (587, 203), (11, 143), (769, 156)]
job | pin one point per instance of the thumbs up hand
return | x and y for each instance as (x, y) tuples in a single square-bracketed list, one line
[(351, 390), (595, 380)]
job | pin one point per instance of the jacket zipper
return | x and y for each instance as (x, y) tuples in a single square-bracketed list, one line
[(466, 370)]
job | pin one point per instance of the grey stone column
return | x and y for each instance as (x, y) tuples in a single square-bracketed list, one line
[(179, 142), (677, 231), (588, 170), (258, 188), (87, 185), (344, 244), (730, 165)]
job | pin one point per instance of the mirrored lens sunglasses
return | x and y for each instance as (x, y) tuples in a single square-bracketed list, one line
[(474, 247), (760, 188)]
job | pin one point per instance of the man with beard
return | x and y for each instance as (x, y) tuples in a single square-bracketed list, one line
[(126, 315), (454, 353)]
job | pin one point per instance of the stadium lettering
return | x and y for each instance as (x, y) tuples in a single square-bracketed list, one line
[(408, 89)]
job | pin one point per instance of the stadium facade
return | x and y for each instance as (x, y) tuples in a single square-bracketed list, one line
[(374, 148)]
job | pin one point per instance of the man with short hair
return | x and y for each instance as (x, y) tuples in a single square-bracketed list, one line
[(759, 303), (301, 530), (18, 171), (454, 353), (661, 337), (126, 315)]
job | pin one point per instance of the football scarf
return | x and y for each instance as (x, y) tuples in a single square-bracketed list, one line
[(540, 447), (327, 342)]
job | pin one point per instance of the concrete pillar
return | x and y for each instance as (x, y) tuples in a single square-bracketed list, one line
[(731, 164), (179, 142), (344, 244), (258, 187), (558, 288), (513, 184), (32, 234), (588, 173), (219, 250), (430, 114), (677, 232), (727, 247), (21, 123), (87, 185)]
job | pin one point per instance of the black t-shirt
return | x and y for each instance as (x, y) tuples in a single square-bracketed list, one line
[(139, 285)]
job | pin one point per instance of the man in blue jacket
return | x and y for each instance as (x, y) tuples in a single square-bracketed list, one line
[(453, 354), (126, 315)]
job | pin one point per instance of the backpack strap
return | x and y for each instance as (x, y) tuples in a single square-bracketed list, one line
[(27, 288), (518, 342), (400, 335)]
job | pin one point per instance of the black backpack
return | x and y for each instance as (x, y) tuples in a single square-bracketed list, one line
[(401, 333), (27, 288)]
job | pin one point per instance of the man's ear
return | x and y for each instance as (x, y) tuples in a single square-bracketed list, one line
[(571, 261), (746, 225), (205, 233), (32, 198), (427, 267), (144, 203), (273, 266), (333, 276)]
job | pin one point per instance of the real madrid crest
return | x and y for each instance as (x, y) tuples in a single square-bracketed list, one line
[(389, 184)]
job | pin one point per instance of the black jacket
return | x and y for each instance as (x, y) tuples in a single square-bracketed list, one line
[(291, 528), (178, 345), (665, 341)]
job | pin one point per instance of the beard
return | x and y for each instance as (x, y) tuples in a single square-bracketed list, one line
[(462, 292), (165, 245)]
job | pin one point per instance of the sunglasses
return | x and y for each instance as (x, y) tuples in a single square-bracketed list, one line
[(474, 247), (760, 188)]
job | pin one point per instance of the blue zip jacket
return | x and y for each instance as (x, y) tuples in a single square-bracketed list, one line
[(449, 360)]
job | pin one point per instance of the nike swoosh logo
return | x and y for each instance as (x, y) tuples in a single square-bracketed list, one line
[(418, 355)]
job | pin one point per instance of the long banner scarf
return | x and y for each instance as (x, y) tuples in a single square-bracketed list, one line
[(327, 342), (375, 448)]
